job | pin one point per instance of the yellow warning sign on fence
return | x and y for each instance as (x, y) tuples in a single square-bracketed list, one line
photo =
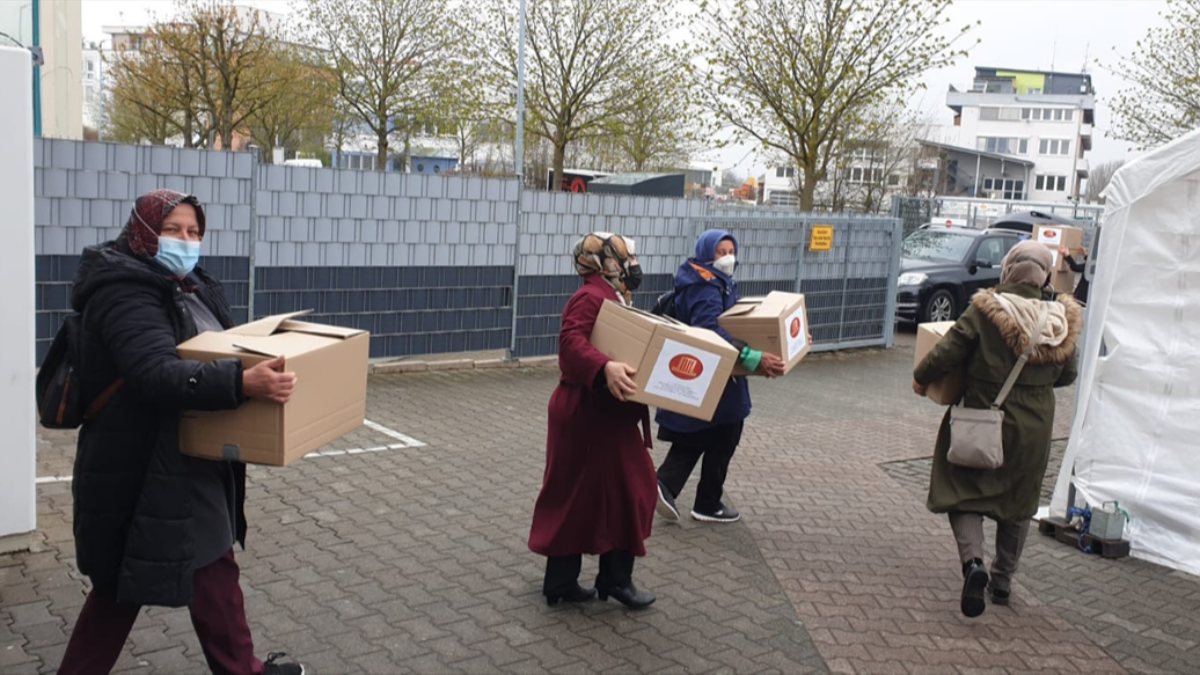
[(821, 238)]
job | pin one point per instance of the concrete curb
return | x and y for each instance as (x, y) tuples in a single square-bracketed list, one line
[(461, 364)]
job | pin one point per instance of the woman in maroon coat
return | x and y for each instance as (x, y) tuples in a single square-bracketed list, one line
[(599, 487)]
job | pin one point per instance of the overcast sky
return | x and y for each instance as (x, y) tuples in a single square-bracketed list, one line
[(1064, 35)]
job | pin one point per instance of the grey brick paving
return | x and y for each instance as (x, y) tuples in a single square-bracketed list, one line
[(414, 560)]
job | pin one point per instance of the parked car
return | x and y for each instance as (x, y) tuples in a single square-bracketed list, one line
[(941, 267), (1024, 221)]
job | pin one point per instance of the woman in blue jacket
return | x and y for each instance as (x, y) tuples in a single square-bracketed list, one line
[(704, 288)]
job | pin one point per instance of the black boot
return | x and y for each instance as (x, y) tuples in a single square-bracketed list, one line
[(616, 579), (561, 583), (975, 579)]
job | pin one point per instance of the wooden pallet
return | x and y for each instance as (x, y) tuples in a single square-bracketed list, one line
[(1069, 534)]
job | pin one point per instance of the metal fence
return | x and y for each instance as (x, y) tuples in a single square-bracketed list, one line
[(980, 213), (430, 264)]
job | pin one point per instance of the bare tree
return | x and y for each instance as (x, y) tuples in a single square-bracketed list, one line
[(1163, 99), (384, 53), (156, 89), (151, 98), (235, 62), (662, 121), (1099, 177), (462, 107), (302, 108), (798, 75), (583, 57), (199, 75)]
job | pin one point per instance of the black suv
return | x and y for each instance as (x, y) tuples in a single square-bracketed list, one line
[(943, 266)]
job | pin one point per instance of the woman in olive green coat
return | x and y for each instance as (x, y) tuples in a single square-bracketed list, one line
[(984, 345)]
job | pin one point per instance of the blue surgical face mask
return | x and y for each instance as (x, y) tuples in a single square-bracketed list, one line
[(178, 255)]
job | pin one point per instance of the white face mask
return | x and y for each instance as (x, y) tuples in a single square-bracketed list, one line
[(725, 264)]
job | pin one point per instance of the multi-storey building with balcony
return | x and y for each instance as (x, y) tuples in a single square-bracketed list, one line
[(1017, 134)]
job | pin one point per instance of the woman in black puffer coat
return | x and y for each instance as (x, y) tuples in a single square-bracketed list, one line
[(153, 526)]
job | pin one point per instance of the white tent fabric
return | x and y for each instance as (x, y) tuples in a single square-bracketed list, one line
[(1136, 435)]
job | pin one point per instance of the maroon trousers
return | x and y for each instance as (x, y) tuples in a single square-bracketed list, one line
[(218, 615)]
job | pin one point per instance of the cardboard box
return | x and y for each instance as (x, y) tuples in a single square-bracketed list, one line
[(1054, 236), (1063, 281), (947, 390), (679, 368), (776, 324), (330, 397)]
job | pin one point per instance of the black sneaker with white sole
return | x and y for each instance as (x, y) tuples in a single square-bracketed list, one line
[(666, 503), (724, 514), (273, 667)]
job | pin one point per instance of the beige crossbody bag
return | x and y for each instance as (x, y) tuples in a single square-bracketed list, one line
[(977, 434)]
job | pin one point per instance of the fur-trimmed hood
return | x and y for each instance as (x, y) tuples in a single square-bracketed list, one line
[(1018, 341)]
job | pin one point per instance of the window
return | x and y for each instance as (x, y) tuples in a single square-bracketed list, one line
[(1004, 146), (990, 113), (936, 245), (1048, 114), (992, 249), (893, 180), (1005, 188), (1051, 183), (1054, 146), (779, 172), (790, 172)]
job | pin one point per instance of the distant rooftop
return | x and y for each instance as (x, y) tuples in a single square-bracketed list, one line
[(1030, 82), (632, 178)]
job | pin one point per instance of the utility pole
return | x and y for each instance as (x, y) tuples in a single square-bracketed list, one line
[(519, 169)]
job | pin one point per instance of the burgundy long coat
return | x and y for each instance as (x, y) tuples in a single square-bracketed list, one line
[(599, 488)]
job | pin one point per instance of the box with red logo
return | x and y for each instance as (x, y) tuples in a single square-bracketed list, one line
[(776, 324), (1054, 236), (679, 367)]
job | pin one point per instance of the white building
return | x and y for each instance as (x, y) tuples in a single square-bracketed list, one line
[(1017, 134), (94, 85), (780, 186)]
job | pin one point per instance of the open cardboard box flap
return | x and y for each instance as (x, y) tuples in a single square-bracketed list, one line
[(770, 305), (266, 325)]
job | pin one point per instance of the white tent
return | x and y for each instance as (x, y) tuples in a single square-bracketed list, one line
[(1136, 436)]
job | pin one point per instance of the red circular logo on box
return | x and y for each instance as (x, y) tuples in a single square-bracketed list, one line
[(1049, 234), (686, 367), (795, 328)]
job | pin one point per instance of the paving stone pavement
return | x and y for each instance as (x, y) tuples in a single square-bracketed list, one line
[(414, 559)]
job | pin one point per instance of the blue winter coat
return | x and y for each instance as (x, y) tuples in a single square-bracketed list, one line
[(700, 297)]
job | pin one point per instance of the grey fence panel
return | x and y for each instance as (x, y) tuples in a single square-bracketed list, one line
[(849, 291), (425, 263), (551, 224)]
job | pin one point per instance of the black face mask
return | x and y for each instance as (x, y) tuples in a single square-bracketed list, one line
[(632, 277)]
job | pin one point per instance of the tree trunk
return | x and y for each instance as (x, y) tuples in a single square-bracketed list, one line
[(808, 188), (382, 154), (560, 154)]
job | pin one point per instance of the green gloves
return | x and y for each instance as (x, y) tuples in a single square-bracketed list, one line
[(750, 358)]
